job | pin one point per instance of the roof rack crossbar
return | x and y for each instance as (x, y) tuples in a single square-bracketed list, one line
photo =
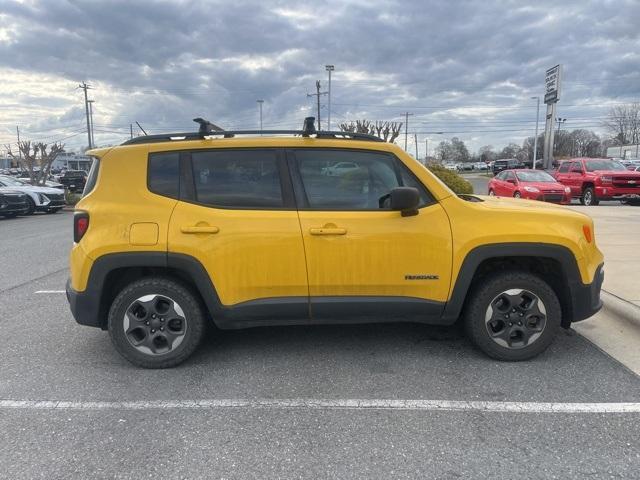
[(208, 129)]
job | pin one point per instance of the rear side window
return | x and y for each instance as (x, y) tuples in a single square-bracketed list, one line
[(92, 178), (164, 174), (237, 178)]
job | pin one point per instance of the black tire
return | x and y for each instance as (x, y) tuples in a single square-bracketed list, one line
[(517, 195), (589, 198), (492, 193), (193, 328), (32, 206), (487, 294)]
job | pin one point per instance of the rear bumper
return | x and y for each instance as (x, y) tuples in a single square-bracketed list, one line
[(585, 299), (85, 306)]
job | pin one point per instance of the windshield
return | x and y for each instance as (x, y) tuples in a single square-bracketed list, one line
[(534, 176), (593, 165)]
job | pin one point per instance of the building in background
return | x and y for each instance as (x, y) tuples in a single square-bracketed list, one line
[(5, 162), (624, 151), (71, 161)]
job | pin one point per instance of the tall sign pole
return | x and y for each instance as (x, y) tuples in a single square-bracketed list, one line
[(552, 81)]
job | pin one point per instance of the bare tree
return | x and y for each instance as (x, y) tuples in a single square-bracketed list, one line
[(387, 131), (623, 122), (35, 159)]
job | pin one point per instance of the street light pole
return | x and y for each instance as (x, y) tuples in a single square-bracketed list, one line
[(260, 102), (535, 141), (329, 68)]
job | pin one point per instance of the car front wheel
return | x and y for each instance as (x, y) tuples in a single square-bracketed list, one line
[(156, 322), (512, 315), (589, 197), (517, 195)]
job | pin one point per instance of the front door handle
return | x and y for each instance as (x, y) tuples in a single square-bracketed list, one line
[(199, 229), (328, 231)]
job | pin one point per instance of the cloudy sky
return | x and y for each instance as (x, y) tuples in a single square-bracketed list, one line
[(465, 68)]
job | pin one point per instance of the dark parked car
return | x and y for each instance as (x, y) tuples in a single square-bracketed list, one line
[(12, 203), (73, 180), (506, 164)]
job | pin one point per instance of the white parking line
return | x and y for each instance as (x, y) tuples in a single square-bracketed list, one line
[(329, 404), (50, 291)]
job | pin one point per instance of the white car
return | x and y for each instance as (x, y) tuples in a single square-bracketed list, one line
[(40, 199), (339, 169), (47, 183)]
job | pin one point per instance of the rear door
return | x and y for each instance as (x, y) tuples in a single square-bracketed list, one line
[(237, 217), (362, 258)]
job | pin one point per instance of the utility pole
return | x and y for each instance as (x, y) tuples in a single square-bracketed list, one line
[(406, 128), (535, 141), (426, 149), (86, 87), (93, 138), (317, 94), (131, 129), (260, 102), (329, 68), (415, 140)]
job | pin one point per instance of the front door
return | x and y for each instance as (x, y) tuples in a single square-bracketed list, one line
[(237, 217), (364, 260)]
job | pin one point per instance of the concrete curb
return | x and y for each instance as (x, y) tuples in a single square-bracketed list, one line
[(621, 307)]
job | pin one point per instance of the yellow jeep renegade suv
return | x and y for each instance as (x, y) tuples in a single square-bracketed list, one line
[(177, 230)]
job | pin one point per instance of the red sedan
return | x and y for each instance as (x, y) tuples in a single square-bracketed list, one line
[(530, 184)]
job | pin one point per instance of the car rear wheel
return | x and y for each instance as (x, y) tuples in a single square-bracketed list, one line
[(492, 193), (156, 322), (512, 316), (589, 197)]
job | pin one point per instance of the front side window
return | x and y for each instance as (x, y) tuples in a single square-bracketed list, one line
[(564, 168), (237, 178), (352, 180)]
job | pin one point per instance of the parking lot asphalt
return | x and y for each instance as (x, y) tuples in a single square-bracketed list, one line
[(46, 356)]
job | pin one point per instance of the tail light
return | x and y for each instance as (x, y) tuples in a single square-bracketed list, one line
[(587, 233), (80, 225)]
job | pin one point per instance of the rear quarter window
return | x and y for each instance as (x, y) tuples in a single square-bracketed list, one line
[(92, 178), (163, 176)]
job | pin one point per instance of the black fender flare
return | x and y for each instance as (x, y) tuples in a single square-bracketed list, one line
[(560, 253)]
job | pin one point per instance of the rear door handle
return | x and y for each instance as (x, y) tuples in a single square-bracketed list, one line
[(199, 229), (327, 231)]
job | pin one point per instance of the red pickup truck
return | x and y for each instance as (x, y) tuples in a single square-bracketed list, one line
[(595, 179)]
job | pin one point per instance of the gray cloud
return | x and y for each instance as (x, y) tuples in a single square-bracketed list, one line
[(162, 63)]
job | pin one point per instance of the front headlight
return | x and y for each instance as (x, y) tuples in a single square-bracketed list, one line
[(532, 189), (606, 179)]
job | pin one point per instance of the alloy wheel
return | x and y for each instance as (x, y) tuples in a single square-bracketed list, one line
[(515, 318), (154, 324)]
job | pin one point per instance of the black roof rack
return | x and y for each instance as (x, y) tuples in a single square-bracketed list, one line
[(208, 129)]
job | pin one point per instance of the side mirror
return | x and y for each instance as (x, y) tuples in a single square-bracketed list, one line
[(406, 200)]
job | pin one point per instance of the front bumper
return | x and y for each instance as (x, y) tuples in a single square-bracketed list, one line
[(617, 192), (585, 299), (85, 306)]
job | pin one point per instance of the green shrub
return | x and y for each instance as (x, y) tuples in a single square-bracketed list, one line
[(451, 179), (72, 198)]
